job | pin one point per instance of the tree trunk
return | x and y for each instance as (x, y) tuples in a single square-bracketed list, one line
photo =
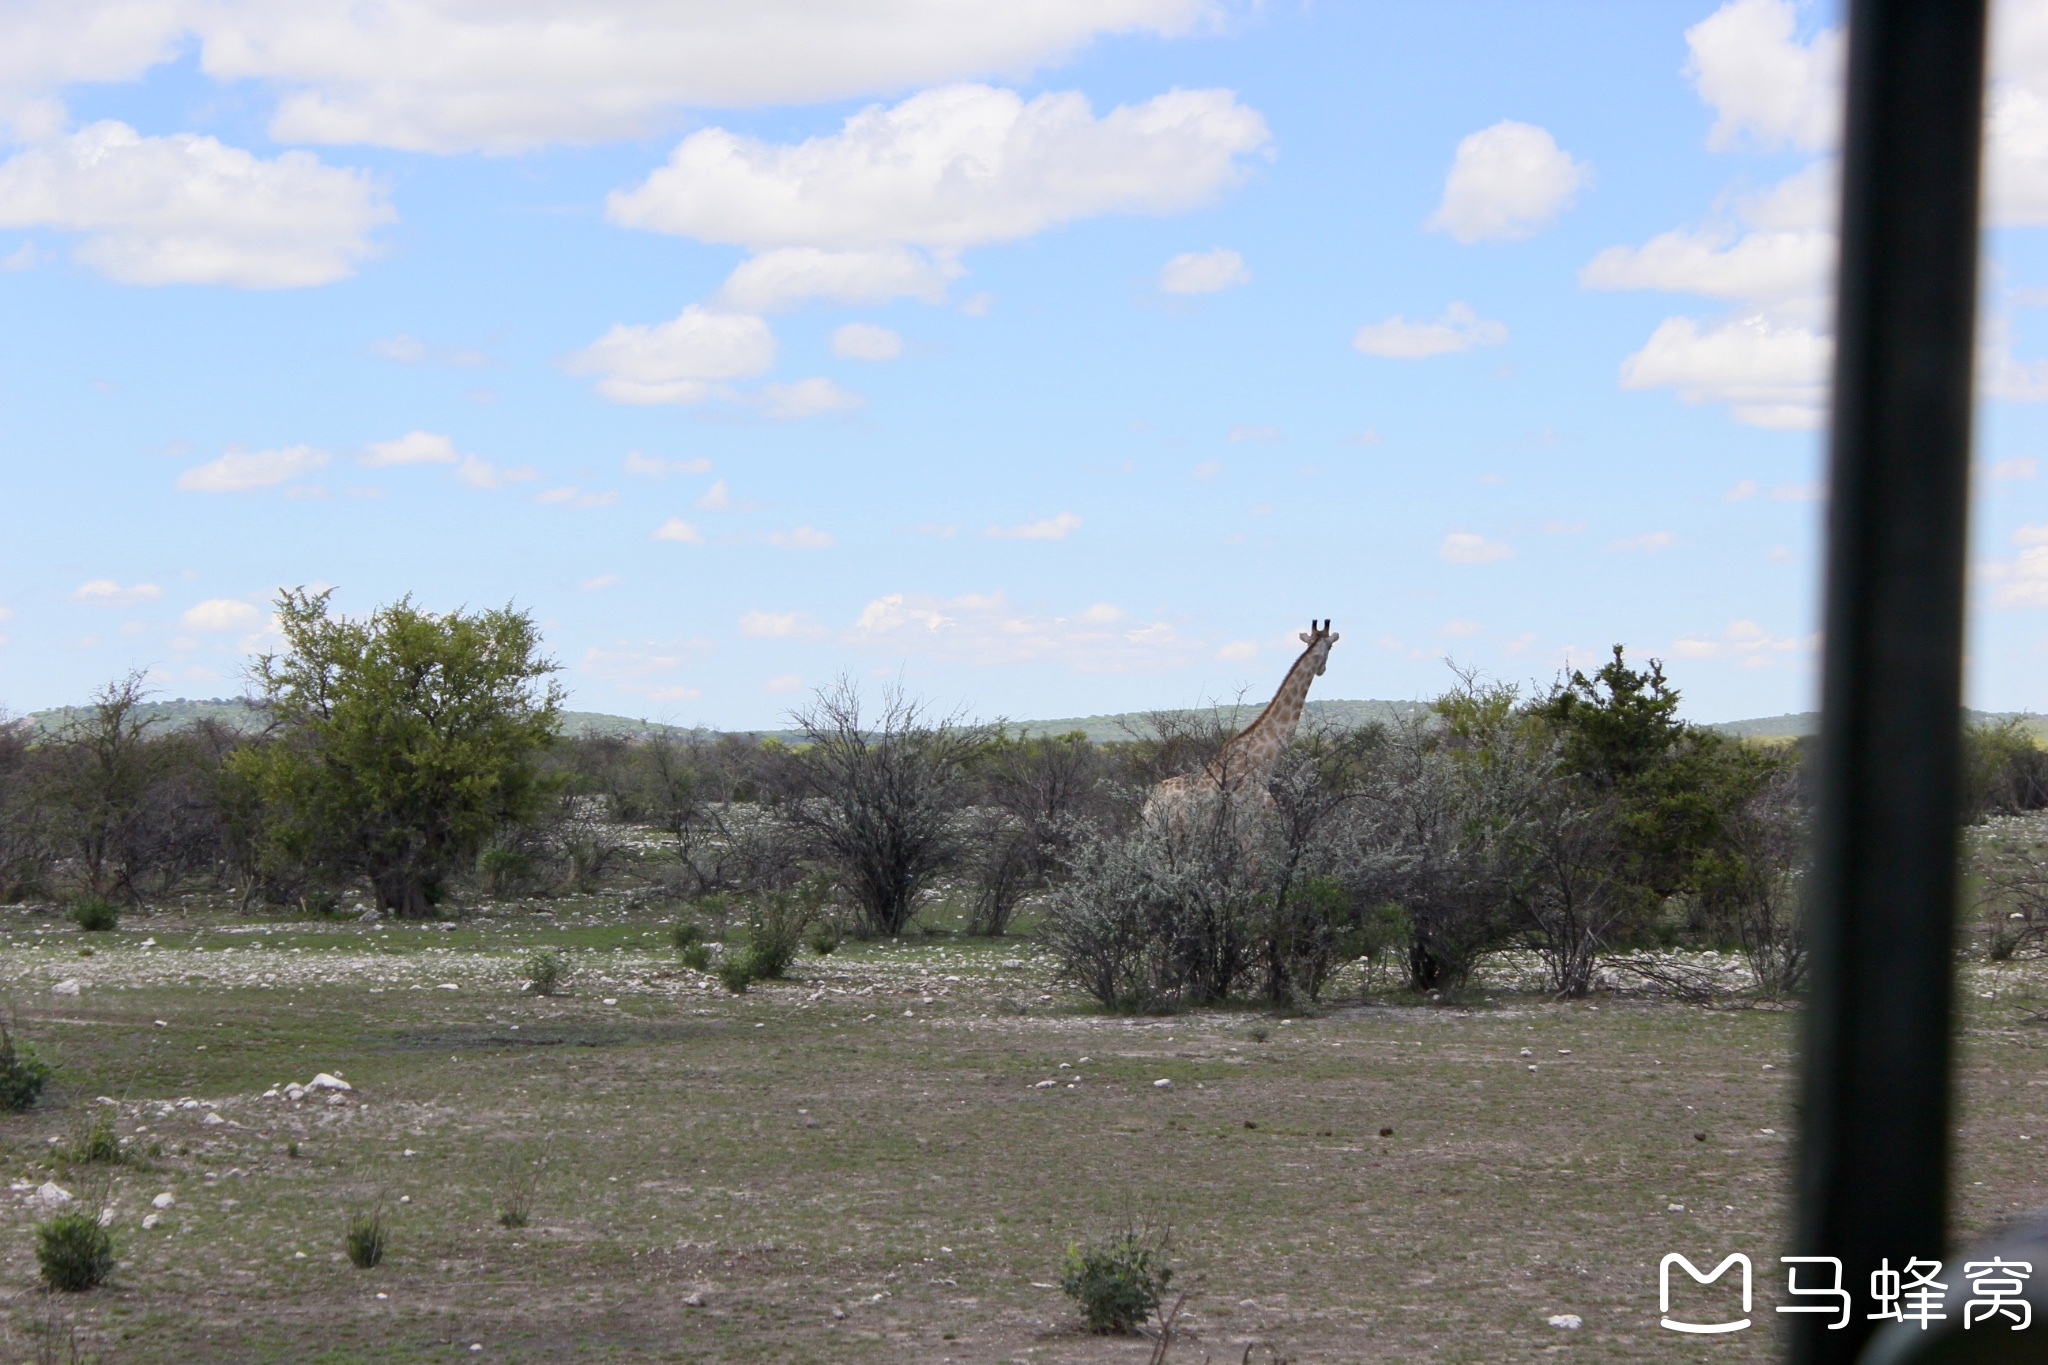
[(403, 896)]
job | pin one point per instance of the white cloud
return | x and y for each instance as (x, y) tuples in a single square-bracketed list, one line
[(807, 398), (1746, 642), (1466, 547), (681, 361), (105, 592), (447, 75), (600, 583), (1765, 83), (1774, 375), (1049, 528), (788, 276), (406, 350), (984, 629), (948, 168), (802, 538), (1773, 267), (866, 341), (2017, 468), (675, 528), (185, 209), (783, 682), (1237, 651), (1799, 492), (1203, 272), (569, 495), (654, 467), (1648, 541), (1206, 469), (221, 614), (1459, 329), (1263, 435), (415, 447), (477, 472), (1461, 629), (773, 625), (1506, 183), (244, 471)]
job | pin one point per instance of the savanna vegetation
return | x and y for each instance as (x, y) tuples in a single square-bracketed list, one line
[(864, 1043)]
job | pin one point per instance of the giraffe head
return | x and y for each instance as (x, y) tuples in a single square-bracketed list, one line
[(1319, 638)]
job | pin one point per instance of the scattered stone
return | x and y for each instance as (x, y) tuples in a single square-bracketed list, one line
[(164, 1200), (1013, 964), (1674, 1208), (1162, 1084), (1045, 1085), (1527, 1052), (65, 987), (51, 1195), (839, 1313), (212, 1120), (151, 1220), (1570, 1322), (323, 1081), (695, 1300)]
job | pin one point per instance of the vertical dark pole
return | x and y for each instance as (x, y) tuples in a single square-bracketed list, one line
[(1873, 1168)]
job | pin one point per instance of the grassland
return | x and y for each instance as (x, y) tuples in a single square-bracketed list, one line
[(862, 1163)]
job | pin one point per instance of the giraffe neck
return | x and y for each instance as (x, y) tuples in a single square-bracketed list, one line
[(1253, 754)]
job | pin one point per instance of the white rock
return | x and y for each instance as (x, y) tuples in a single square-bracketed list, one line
[(164, 1200), (695, 1300), (295, 1091), (51, 1195), (151, 1220), (65, 987), (212, 1120), (1045, 1085), (323, 1081), (1013, 964), (1571, 1322), (271, 1093), (611, 1000), (106, 1219), (1162, 1084)]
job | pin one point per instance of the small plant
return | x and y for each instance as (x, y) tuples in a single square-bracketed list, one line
[(366, 1238), (824, 942), (1118, 1283), (685, 934), (1260, 1034), (517, 1207), (291, 1149), (736, 969), (22, 1075), (74, 1251), (697, 957), (545, 970), (95, 914), (95, 1139)]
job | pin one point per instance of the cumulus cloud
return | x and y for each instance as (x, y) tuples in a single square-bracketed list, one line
[(948, 168), (783, 682), (2017, 468), (654, 467), (782, 625), (477, 472), (1049, 528), (788, 276), (1459, 329), (451, 76), (1507, 182), (403, 348), (866, 341), (415, 447), (1773, 376), (806, 398), (802, 538), (600, 583), (985, 629), (1745, 642), (569, 495), (1767, 85), (245, 471), (185, 209), (675, 528), (1203, 272), (1467, 547), (1648, 541), (105, 592), (686, 360), (222, 614)]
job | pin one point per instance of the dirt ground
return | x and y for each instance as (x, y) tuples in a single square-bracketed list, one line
[(867, 1163)]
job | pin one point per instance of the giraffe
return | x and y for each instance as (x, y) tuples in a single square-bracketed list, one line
[(1246, 763)]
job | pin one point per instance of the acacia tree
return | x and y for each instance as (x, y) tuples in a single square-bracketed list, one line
[(402, 741)]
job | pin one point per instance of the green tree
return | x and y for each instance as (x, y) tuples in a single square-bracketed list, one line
[(403, 741), (97, 776)]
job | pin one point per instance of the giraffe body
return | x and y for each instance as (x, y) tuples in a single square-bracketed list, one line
[(1245, 765)]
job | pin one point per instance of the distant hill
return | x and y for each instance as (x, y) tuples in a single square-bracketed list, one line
[(238, 714)]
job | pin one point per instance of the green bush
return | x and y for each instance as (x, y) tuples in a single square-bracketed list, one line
[(824, 942), (74, 1251), (697, 957), (1118, 1283), (545, 970), (95, 1139), (686, 934), (22, 1075), (366, 1238), (95, 914), (736, 969)]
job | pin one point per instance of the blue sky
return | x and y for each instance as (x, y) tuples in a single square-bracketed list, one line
[(1054, 359)]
